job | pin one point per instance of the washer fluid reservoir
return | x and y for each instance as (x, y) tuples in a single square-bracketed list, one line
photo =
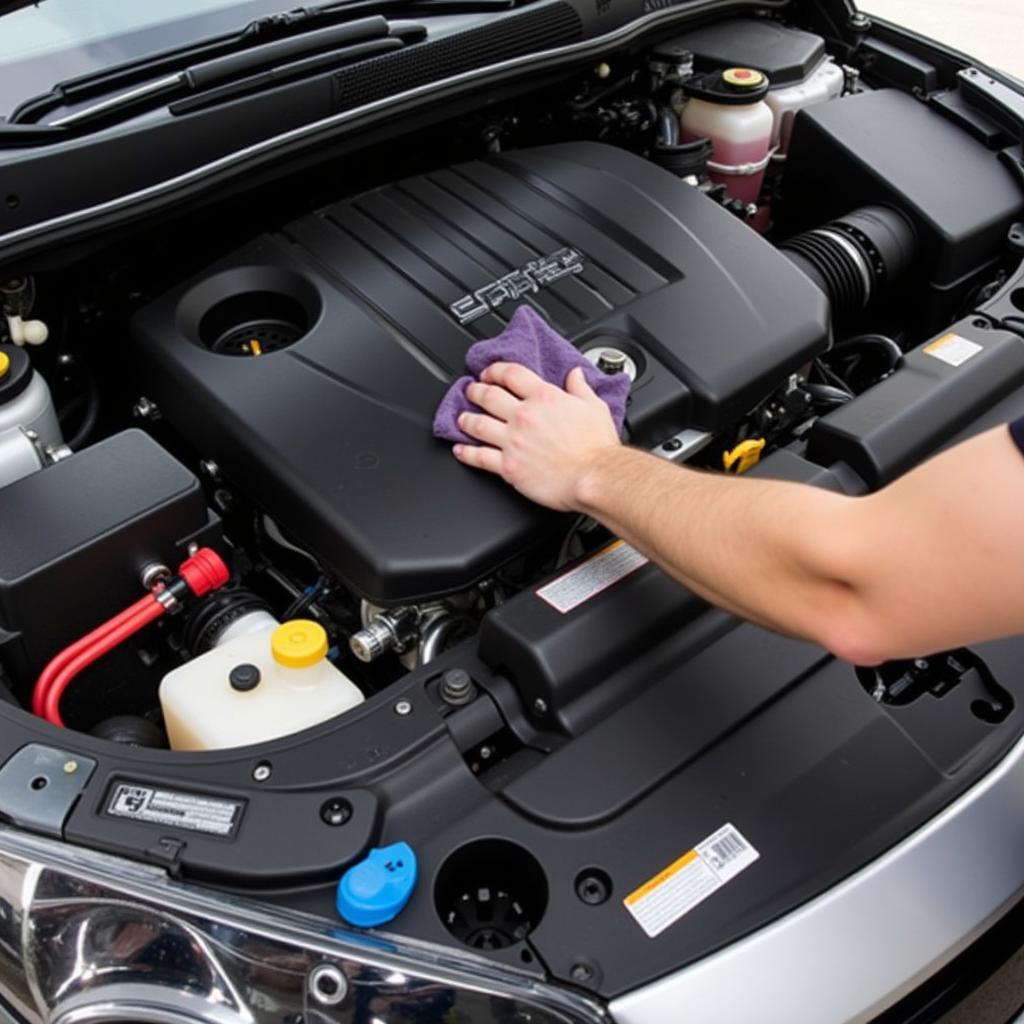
[(260, 685), (729, 108)]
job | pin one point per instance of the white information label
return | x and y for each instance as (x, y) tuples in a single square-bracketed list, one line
[(611, 564), (953, 349), (690, 880), (193, 811)]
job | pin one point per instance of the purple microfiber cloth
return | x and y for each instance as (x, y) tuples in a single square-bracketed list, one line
[(528, 340)]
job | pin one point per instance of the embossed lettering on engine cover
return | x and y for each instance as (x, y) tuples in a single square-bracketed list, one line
[(529, 278)]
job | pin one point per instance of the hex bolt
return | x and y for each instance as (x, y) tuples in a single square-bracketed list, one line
[(673, 444), (262, 771), (403, 708), (327, 985), (457, 688)]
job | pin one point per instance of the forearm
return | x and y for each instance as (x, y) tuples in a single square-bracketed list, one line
[(765, 550)]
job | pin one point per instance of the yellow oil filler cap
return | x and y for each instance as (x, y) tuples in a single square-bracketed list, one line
[(746, 455), (5, 365), (299, 643), (745, 78)]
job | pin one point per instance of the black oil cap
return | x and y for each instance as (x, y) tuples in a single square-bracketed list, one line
[(244, 677)]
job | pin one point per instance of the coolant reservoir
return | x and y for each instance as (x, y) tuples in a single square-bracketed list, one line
[(729, 108), (257, 686)]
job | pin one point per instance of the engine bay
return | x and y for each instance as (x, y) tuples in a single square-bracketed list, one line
[(225, 523)]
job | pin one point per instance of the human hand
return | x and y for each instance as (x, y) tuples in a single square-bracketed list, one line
[(535, 436)]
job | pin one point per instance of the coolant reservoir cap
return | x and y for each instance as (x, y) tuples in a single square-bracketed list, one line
[(745, 78), (299, 643), (15, 372), (375, 890), (733, 87)]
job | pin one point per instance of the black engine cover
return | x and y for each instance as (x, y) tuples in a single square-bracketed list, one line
[(309, 364)]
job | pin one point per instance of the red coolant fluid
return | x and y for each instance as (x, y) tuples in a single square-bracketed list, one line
[(728, 107)]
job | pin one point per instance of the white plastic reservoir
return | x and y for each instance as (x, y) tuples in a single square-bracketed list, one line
[(729, 108), (271, 682)]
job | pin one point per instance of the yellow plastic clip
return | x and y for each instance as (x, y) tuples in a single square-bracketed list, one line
[(744, 456)]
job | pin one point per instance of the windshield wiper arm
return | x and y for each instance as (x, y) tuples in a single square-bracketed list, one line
[(219, 70)]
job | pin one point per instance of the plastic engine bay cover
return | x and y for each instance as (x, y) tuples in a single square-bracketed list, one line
[(309, 363)]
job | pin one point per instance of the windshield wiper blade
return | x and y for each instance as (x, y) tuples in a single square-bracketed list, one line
[(219, 70)]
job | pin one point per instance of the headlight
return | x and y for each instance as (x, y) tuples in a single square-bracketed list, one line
[(91, 939)]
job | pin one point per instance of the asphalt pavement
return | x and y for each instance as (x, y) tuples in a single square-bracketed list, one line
[(992, 30)]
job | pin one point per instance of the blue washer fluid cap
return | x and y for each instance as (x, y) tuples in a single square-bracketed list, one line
[(375, 890)]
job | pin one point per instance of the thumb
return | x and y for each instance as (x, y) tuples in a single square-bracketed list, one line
[(576, 384)]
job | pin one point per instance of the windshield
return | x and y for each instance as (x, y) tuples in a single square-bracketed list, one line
[(63, 39)]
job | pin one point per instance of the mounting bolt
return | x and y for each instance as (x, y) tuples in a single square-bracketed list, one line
[(581, 972), (540, 706), (859, 21), (403, 708), (262, 771), (70, 767), (592, 888), (336, 812)]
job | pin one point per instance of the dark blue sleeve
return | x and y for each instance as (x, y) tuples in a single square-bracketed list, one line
[(1017, 433)]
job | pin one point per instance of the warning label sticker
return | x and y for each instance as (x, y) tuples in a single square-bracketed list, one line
[(611, 564), (953, 349), (690, 880), (216, 816)]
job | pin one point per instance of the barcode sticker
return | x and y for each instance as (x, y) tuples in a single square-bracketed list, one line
[(690, 880), (599, 572)]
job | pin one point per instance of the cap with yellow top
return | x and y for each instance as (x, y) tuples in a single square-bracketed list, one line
[(732, 87), (299, 643), (744, 78), (5, 365)]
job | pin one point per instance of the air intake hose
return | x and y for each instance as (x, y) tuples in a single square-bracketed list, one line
[(853, 259)]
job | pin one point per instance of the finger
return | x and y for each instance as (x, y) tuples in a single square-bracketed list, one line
[(488, 459), (495, 400), (523, 383), (576, 384), (484, 428)]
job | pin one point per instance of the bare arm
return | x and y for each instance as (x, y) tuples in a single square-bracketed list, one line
[(935, 560)]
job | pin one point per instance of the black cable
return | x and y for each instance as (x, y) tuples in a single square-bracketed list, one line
[(91, 417)]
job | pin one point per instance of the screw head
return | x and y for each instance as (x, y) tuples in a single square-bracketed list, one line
[(540, 706), (70, 767), (593, 887), (336, 811), (262, 771), (581, 972), (403, 707)]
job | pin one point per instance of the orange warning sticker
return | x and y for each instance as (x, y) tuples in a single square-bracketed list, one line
[(953, 349), (675, 891)]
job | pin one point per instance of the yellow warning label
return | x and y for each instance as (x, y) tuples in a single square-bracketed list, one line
[(648, 887), (953, 349), (675, 891)]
